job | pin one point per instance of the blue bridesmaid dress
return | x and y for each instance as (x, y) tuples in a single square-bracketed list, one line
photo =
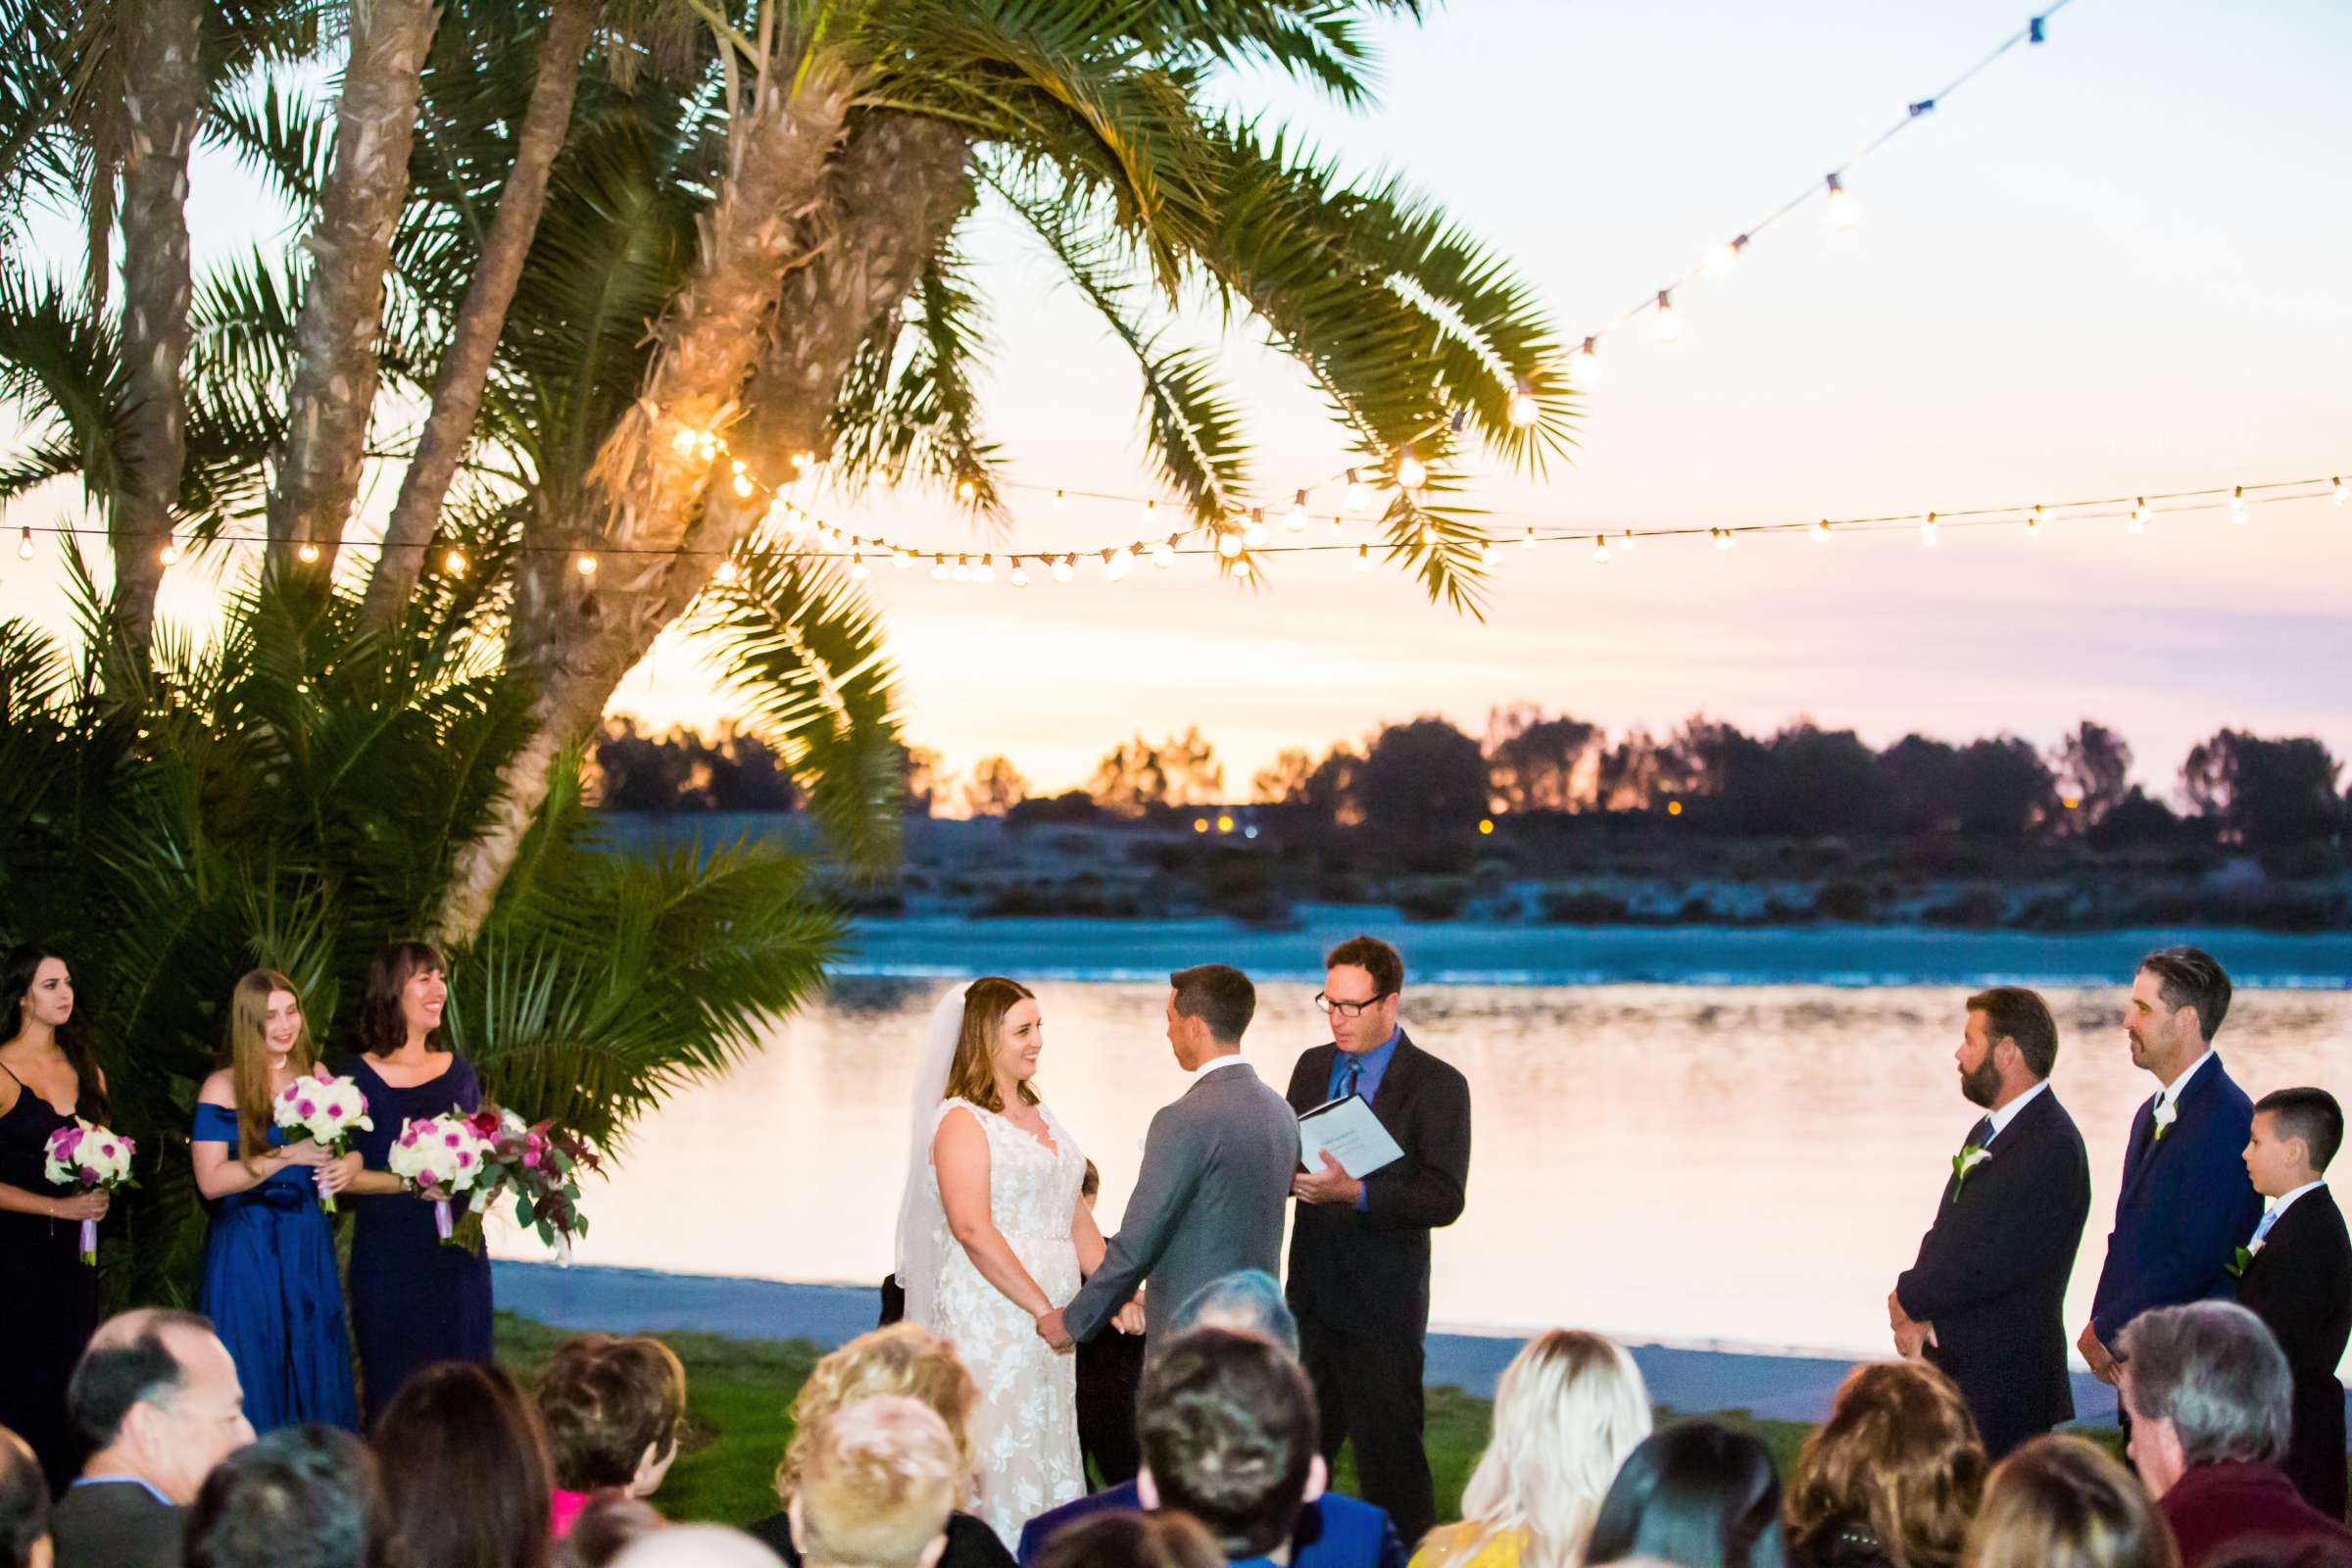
[(270, 1290), (413, 1300)]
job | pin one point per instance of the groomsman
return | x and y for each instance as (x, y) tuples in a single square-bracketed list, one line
[(1360, 1250), (2297, 1277), (1987, 1300), (2185, 1205)]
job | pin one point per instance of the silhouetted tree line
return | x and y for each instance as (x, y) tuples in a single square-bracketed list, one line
[(680, 772)]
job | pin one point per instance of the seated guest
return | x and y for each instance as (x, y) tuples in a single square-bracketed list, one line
[(1227, 1426), (1893, 1478), (2062, 1503), (901, 1360), (464, 1468), (1110, 1368), (613, 1409), (2298, 1278), (1133, 1541), (1696, 1495), (156, 1397), (1332, 1532), (696, 1546), (606, 1528), (2211, 1398), (1570, 1407), (301, 1496), (878, 1483), (24, 1505)]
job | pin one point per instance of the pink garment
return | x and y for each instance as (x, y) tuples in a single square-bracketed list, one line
[(564, 1511)]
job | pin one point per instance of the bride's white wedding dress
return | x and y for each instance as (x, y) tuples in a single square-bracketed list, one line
[(1024, 1434)]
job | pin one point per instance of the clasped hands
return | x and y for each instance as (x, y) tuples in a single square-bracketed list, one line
[(1128, 1319), (335, 1171), (1330, 1185), (1911, 1337)]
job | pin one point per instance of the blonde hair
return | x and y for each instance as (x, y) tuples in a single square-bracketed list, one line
[(2062, 1503), (879, 1482), (1899, 1454), (1570, 1407), (901, 1360), (249, 1057), (972, 1075)]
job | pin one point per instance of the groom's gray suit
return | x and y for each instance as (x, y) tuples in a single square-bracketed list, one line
[(1209, 1200)]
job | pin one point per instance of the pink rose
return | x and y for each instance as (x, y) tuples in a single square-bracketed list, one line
[(450, 1140), (89, 1176), (463, 1160), (306, 1109), (426, 1178), (334, 1109), (322, 1075)]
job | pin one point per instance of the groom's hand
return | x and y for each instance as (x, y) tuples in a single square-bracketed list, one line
[(1050, 1329), (1130, 1318), (1330, 1185)]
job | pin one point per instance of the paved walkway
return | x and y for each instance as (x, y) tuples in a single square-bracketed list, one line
[(627, 1301)]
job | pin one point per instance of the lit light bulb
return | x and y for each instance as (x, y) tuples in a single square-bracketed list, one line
[(685, 441), (1526, 540), (1337, 527), (1296, 518), (1150, 506), (986, 572), (965, 490), (169, 553), (1059, 500), (857, 569), (1843, 211), (902, 558), (1358, 497), (305, 552), (1625, 540), (801, 461), (2034, 524), (1588, 363), (1229, 544), (2340, 494), (1667, 327), (1525, 410), (2238, 504), (584, 564), (1486, 553), (726, 573), (455, 561), (1821, 532), (1164, 554), (706, 445), (743, 486), (24, 543), (1724, 257), (1122, 561), (939, 568), (1429, 535), (1255, 534), (963, 569), (1019, 575), (2139, 514), (1723, 538), (1601, 549), (1363, 558), (1927, 532), (1066, 568), (1411, 473)]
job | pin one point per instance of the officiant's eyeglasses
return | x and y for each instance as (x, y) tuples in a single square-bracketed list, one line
[(1350, 1010)]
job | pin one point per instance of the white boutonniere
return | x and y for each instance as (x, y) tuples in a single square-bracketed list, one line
[(1963, 1162), (2166, 1115)]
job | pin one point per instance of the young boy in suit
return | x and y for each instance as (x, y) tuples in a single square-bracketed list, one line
[(2296, 1276)]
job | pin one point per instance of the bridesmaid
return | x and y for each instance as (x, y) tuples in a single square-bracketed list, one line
[(413, 1300), (47, 1077), (269, 1284)]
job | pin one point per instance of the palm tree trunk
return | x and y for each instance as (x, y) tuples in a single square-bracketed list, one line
[(891, 198), (466, 366), (163, 80), (327, 411)]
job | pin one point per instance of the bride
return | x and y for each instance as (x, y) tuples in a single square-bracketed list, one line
[(992, 1237)]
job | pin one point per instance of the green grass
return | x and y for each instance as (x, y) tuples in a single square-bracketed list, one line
[(739, 1396)]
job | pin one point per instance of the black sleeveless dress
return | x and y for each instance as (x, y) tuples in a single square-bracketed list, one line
[(51, 1294)]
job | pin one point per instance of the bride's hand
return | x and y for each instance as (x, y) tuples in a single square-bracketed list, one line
[(1129, 1319)]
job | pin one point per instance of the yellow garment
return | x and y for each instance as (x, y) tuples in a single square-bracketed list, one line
[(1444, 1548)]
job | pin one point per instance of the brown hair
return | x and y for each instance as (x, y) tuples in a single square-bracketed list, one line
[(465, 1466), (606, 1528), (605, 1401), (1898, 1454), (1219, 996), (380, 1025), (1227, 1427), (2192, 977), (16, 974), (248, 1053), (2012, 1012), (1383, 963), (1132, 1541), (972, 1075), (900, 1359), (2062, 1503)]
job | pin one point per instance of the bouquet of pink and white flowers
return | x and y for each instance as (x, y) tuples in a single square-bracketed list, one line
[(326, 1110), (89, 1158), (535, 1161), (446, 1155)]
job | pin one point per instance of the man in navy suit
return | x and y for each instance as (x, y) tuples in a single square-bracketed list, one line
[(2185, 1205), (1987, 1300), (2296, 1276)]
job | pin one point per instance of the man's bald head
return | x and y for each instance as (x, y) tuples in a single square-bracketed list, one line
[(696, 1546), (156, 1396)]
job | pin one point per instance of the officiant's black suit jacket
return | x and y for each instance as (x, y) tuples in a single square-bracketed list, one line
[(1367, 1272), (2302, 1285), (1992, 1270)]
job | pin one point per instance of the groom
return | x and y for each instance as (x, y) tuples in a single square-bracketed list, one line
[(1216, 1172)]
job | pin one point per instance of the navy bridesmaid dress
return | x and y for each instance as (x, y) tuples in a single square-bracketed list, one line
[(270, 1290), (413, 1300), (48, 1296)]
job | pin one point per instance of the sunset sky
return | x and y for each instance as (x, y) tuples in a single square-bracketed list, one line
[(2113, 265)]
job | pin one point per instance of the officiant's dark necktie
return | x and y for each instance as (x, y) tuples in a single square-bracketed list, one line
[(1353, 1071)]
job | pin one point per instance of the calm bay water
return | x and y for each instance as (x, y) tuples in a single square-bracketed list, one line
[(1748, 1163)]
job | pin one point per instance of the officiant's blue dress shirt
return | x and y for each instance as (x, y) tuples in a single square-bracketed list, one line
[(1371, 1067)]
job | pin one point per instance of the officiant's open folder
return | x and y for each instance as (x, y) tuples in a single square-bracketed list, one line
[(1350, 1134)]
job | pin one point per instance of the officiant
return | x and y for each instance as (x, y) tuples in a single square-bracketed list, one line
[(1360, 1249)]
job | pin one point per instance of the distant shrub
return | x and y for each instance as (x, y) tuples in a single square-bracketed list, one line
[(1972, 906), (1843, 900), (1439, 899), (1583, 906)]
